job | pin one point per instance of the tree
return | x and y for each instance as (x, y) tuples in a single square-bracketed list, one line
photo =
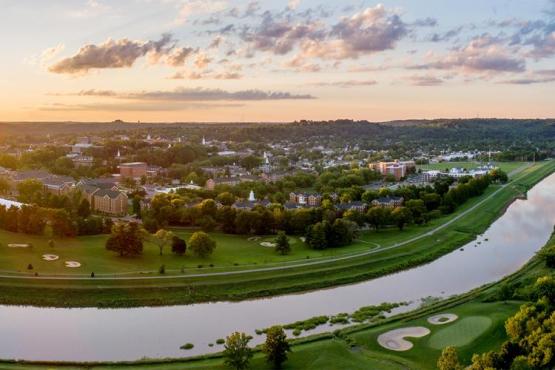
[(282, 243), (137, 207), (162, 238), (237, 352), (30, 191), (226, 198), (276, 346), (316, 236), (376, 217), (4, 185), (401, 216), (179, 246), (201, 244), (449, 360), (84, 209), (126, 239)]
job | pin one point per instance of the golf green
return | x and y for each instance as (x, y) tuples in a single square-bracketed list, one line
[(462, 332)]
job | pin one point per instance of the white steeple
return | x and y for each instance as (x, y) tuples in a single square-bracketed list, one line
[(148, 137), (118, 154), (203, 141), (251, 197), (169, 146)]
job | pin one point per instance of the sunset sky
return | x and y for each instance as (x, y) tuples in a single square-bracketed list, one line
[(224, 60)]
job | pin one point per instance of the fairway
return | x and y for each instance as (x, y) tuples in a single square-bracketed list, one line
[(460, 333), (505, 166)]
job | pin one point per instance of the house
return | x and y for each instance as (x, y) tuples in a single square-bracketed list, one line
[(134, 170), (431, 175), (82, 161), (388, 202), (353, 206), (308, 199), (110, 202), (212, 183), (58, 185), (54, 184)]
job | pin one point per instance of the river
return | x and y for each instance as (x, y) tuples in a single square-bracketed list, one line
[(90, 334)]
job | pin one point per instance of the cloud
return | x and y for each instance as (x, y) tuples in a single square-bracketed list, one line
[(198, 94), (346, 84), (424, 80), (484, 54), (112, 54), (46, 56), (122, 53), (178, 56), (293, 4), (136, 107), (93, 8), (188, 8), (202, 61), (536, 77), (280, 36)]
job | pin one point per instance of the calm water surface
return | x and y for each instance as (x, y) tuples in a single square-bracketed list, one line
[(127, 334)]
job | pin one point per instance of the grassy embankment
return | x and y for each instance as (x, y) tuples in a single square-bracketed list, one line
[(178, 290), (480, 328)]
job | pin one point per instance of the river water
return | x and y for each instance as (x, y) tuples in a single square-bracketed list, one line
[(90, 334)]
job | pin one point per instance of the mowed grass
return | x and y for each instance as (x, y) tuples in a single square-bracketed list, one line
[(460, 333), (231, 250), (480, 327), (504, 166)]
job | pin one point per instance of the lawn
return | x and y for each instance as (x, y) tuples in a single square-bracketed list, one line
[(505, 166)]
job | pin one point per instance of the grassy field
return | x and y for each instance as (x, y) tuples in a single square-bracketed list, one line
[(505, 166), (479, 328), (191, 288)]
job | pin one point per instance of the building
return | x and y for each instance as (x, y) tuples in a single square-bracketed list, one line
[(54, 184), (388, 202), (110, 202), (82, 161), (104, 200), (134, 170), (306, 199), (397, 169), (431, 175), (353, 206), (231, 181)]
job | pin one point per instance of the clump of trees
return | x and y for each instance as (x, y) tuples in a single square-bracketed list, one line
[(324, 234), (201, 245), (126, 239)]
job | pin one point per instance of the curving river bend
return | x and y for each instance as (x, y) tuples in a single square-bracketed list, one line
[(90, 334)]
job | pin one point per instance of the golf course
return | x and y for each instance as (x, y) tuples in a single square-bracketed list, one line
[(241, 266)]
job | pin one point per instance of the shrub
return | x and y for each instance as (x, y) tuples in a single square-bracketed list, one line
[(187, 346), (29, 267), (162, 269), (220, 341)]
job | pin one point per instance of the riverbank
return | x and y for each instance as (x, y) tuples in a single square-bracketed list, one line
[(169, 290), (356, 347)]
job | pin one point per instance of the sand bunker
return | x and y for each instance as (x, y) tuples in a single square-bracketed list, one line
[(72, 264), (19, 245), (395, 339), (268, 244), (49, 257), (442, 318)]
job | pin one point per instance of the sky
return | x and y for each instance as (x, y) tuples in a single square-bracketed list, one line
[(235, 61)]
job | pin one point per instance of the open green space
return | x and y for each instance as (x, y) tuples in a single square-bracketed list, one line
[(479, 328), (239, 268), (504, 166), (460, 333)]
